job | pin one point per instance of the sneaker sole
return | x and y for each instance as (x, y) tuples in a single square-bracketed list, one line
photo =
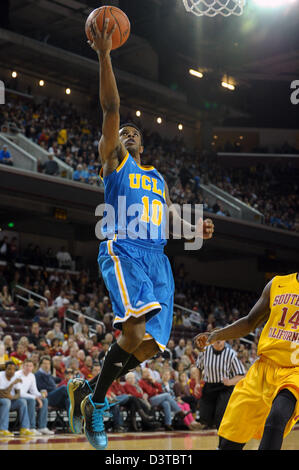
[(70, 392)]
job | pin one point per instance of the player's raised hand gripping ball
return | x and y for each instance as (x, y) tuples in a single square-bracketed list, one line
[(205, 339), (201, 341), (119, 25)]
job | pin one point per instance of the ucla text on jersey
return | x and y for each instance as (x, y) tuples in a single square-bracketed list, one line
[(135, 203)]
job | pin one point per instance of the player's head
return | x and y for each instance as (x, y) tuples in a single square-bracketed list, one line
[(131, 137)]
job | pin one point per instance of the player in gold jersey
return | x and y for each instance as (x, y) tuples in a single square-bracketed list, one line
[(265, 403)]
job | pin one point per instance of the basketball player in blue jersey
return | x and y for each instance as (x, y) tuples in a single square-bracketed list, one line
[(136, 271)]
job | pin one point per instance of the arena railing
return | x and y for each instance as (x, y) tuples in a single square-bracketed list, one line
[(42, 155), (21, 158), (188, 310), (93, 321), (30, 295)]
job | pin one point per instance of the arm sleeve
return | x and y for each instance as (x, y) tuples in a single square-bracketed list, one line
[(33, 388)]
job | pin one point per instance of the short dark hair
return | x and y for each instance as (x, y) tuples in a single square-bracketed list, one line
[(45, 358), (131, 124), (10, 363)]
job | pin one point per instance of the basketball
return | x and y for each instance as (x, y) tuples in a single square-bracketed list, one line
[(122, 32)]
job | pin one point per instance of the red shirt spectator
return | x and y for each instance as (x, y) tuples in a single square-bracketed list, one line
[(150, 387), (19, 353), (132, 390), (117, 388)]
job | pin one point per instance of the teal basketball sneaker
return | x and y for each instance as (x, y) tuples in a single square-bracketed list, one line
[(94, 428)]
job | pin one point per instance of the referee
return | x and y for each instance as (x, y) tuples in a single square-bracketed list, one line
[(221, 371)]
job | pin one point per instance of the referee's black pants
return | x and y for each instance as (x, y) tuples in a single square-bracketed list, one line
[(213, 402)]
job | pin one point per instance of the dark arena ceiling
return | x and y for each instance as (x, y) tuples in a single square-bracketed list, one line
[(259, 50)]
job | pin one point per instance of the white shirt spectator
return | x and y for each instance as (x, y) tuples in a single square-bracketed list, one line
[(4, 383), (59, 301), (64, 258), (28, 388)]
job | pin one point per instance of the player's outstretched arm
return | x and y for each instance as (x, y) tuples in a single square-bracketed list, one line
[(240, 328), (203, 229), (110, 148)]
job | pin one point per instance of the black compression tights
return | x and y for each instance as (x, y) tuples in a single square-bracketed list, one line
[(282, 409)]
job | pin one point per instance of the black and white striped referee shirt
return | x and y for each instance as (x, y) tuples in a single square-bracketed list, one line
[(219, 365)]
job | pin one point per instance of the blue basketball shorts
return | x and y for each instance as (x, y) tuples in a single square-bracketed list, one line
[(140, 282)]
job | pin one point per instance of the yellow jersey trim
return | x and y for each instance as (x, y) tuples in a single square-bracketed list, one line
[(122, 163), (120, 166), (146, 168)]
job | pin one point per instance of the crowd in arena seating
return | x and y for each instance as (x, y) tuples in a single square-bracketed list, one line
[(34, 255), (60, 349), (61, 130)]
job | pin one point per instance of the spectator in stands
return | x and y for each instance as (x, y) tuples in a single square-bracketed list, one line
[(5, 156), (30, 310), (81, 357), (91, 310), (152, 366), (85, 332), (8, 344), (10, 400), (58, 302), (58, 367), (50, 167), (35, 336), (25, 342), (167, 387), (6, 299), (69, 374), (172, 354), (96, 344), (42, 314), (64, 258), (180, 348), (57, 333), (132, 403), (77, 174), (78, 325), (57, 397), (131, 387), (160, 399), (100, 332), (56, 348), (19, 354), (190, 354), (96, 369), (35, 358), (72, 355), (182, 391), (86, 369), (3, 356), (178, 318), (29, 391)]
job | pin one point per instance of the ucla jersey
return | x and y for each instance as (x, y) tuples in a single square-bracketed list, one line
[(135, 203)]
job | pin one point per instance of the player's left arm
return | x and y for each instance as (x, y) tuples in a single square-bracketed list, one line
[(203, 229), (259, 314)]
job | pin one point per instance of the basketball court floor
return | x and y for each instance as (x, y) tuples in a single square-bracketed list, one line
[(165, 441)]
